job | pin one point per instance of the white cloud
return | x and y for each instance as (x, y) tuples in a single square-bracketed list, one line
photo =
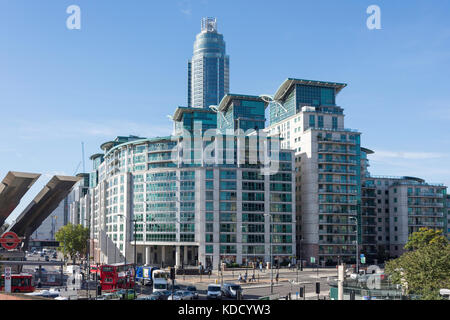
[(185, 7)]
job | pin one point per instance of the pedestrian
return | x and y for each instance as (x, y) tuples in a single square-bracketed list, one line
[(253, 278), (245, 277), (240, 278), (276, 277), (260, 267)]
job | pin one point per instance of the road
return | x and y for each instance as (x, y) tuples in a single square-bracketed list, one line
[(261, 287)]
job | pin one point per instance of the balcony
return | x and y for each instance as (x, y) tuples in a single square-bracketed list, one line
[(336, 221), (427, 214), (337, 151), (339, 171), (425, 204), (338, 191), (337, 201), (347, 212), (331, 140), (425, 195), (335, 242), (339, 161), (337, 181), (336, 232)]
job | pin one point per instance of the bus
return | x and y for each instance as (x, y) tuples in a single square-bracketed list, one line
[(95, 270), (160, 280), (116, 276), (144, 274), (19, 283)]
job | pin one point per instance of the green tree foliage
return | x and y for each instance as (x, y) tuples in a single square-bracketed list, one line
[(73, 240), (425, 269), (425, 237)]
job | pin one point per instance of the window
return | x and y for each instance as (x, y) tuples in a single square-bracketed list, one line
[(312, 121)]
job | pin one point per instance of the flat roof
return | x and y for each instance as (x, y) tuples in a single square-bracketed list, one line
[(182, 110), (226, 100), (12, 189), (288, 83)]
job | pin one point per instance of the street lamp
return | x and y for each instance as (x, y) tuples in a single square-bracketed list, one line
[(88, 257), (270, 243), (357, 245)]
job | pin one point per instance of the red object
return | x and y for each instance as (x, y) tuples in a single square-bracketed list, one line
[(10, 240), (116, 276), (19, 283)]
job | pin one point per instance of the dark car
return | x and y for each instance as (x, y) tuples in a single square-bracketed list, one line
[(158, 295), (193, 290), (164, 294)]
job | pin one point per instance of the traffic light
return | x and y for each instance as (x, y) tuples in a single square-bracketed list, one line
[(172, 273), (318, 287), (99, 290), (301, 292)]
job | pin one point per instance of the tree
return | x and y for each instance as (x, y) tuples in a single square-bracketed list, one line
[(425, 237), (425, 269), (73, 240)]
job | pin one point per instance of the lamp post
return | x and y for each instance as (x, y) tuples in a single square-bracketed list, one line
[(357, 245), (270, 252), (88, 256)]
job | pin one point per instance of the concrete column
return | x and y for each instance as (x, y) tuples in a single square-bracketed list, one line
[(163, 254), (178, 256), (185, 257), (147, 255), (341, 277)]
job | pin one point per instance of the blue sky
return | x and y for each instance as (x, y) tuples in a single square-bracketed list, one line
[(125, 71)]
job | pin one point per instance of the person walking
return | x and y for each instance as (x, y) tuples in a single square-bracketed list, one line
[(276, 277)]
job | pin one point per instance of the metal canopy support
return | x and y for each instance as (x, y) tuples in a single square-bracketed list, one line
[(42, 206), (12, 189)]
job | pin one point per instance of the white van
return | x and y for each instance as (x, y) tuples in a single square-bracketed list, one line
[(160, 280)]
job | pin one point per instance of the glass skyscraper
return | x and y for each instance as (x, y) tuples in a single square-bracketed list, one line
[(208, 70)]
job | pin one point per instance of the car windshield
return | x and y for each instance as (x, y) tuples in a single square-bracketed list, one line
[(213, 288), (235, 287), (191, 289), (160, 286)]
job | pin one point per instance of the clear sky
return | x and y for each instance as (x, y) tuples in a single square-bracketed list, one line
[(126, 70)]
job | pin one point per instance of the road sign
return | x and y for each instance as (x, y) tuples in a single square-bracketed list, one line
[(313, 260), (363, 260), (7, 279), (9, 240), (361, 255)]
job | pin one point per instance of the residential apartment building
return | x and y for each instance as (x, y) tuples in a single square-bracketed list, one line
[(193, 212), (327, 159)]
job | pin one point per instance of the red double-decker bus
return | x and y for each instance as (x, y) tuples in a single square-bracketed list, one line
[(19, 283), (116, 276)]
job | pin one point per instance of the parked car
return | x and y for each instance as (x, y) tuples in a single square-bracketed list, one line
[(126, 294), (146, 297), (214, 292), (231, 290), (193, 290), (43, 270), (158, 295), (164, 294), (175, 288)]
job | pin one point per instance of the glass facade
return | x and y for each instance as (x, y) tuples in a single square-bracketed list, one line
[(208, 70)]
